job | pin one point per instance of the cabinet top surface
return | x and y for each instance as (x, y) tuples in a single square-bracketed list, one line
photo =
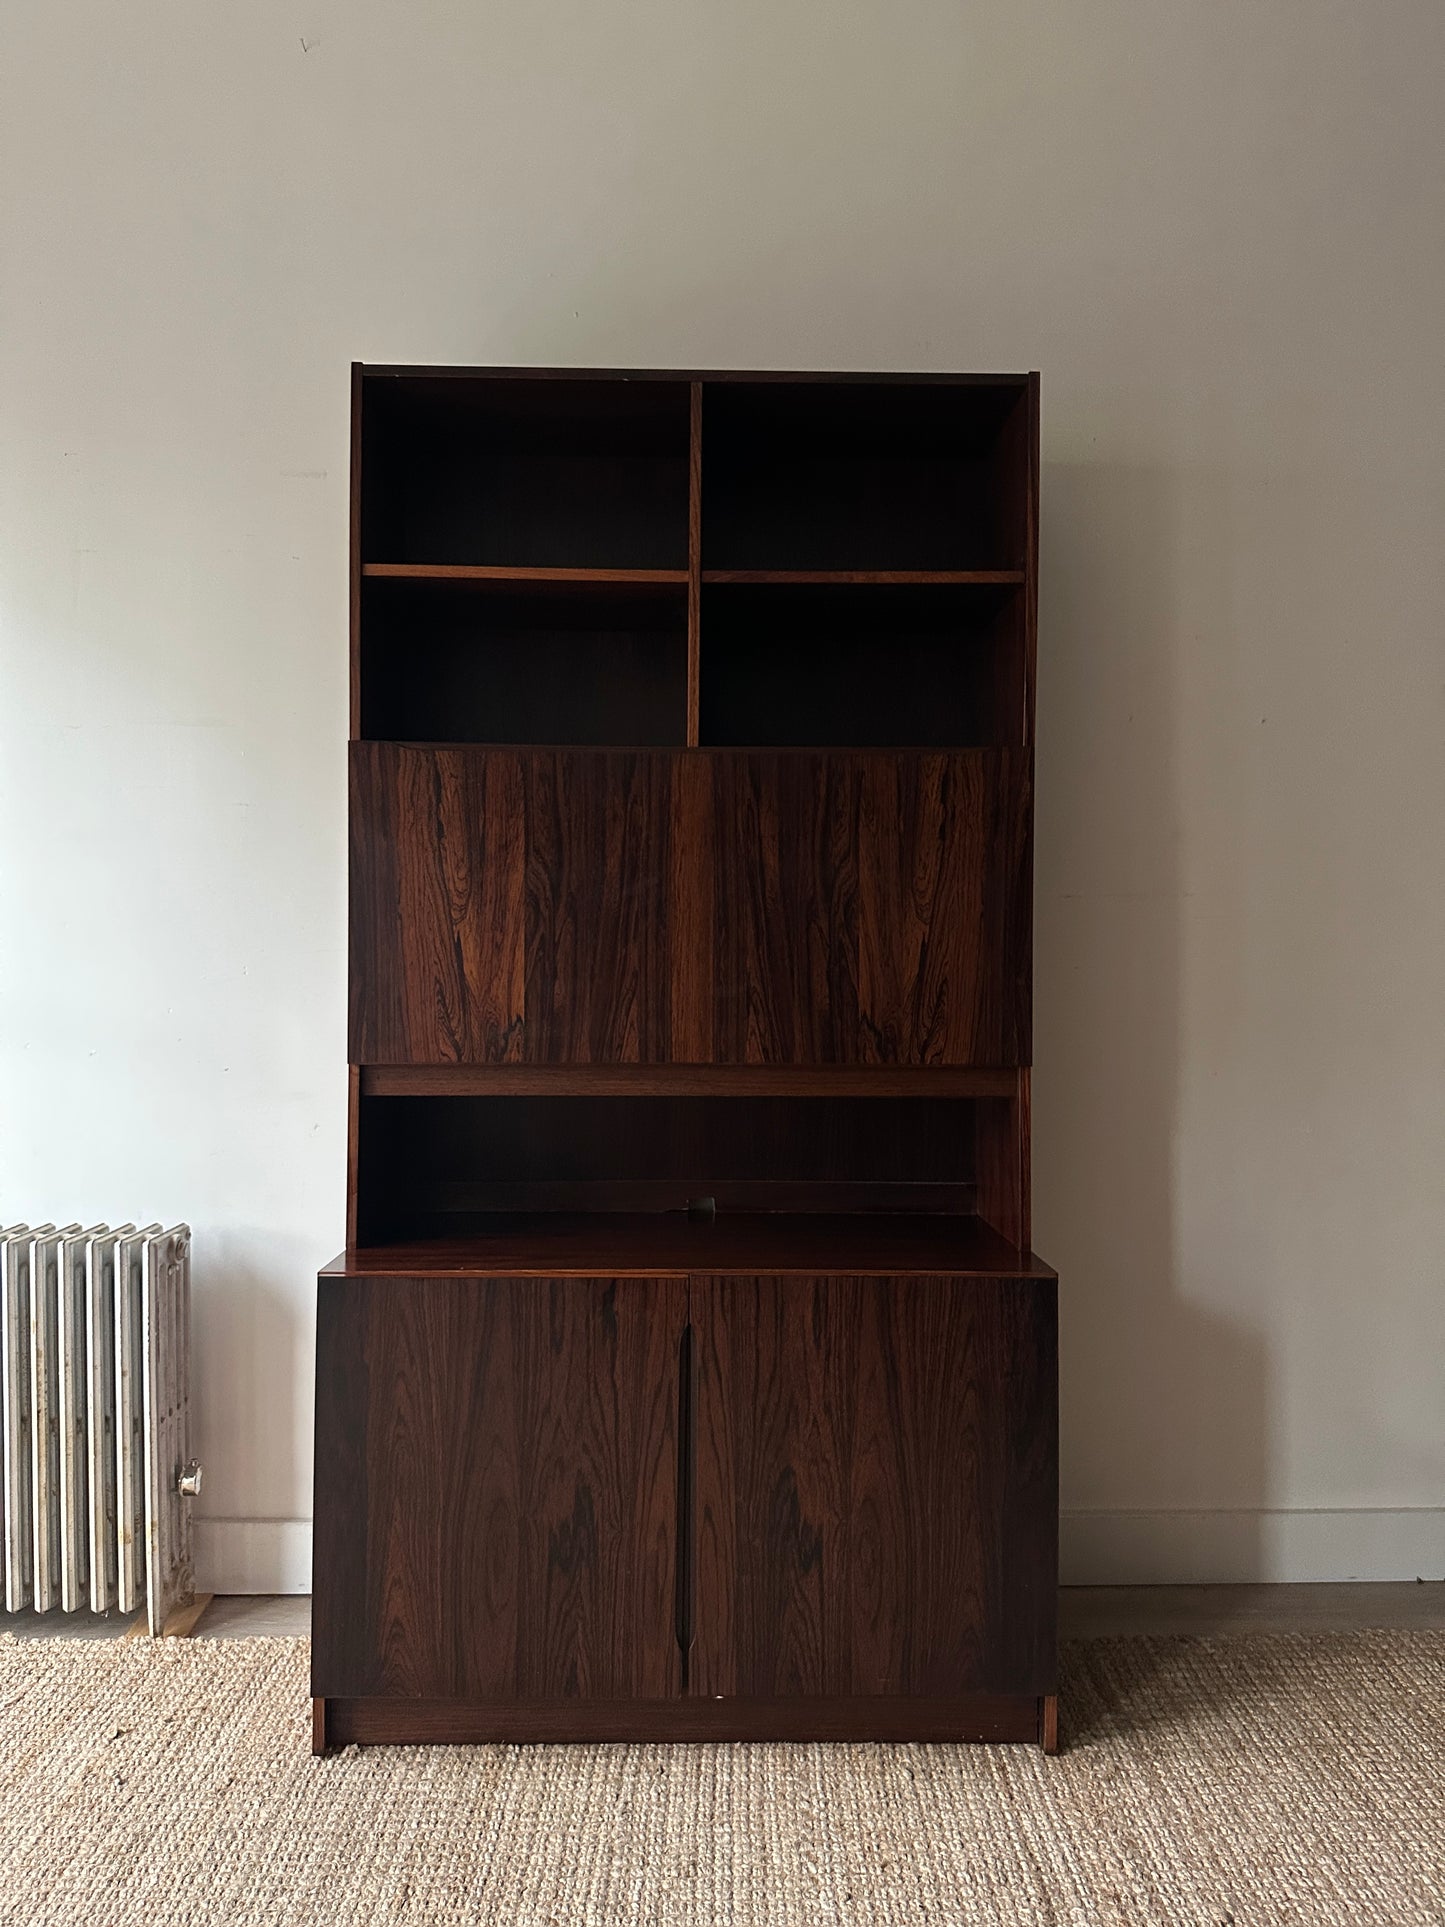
[(1002, 379), (617, 1244)]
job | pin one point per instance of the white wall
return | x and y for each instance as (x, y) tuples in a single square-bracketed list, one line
[(1217, 229)]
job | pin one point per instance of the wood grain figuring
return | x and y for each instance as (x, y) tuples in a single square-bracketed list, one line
[(689, 932), (497, 1464), (804, 908), (976, 1717), (438, 927), (597, 829), (870, 909), (875, 1486)]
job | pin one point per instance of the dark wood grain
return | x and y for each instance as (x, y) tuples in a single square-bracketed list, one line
[(872, 909), (497, 1472), (597, 830), (875, 1486), (976, 1717), (805, 908), (548, 1244), (438, 904)]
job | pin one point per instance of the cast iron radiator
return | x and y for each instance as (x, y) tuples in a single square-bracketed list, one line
[(94, 1382)]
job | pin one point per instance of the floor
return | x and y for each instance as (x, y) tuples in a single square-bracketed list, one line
[(1271, 1780), (1085, 1612)]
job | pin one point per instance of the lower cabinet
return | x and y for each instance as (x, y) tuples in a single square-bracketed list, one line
[(684, 1506)]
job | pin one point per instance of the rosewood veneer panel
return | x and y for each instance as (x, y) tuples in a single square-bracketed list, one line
[(871, 909), (875, 1486), (573, 906), (438, 904), (496, 1488)]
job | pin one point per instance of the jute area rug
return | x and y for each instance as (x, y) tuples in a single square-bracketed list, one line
[(1239, 1781)]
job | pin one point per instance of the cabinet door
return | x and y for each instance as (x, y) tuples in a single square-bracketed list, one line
[(509, 905), (871, 908), (496, 1488), (875, 1486), (585, 906)]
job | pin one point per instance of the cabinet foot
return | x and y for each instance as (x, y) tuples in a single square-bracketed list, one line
[(1049, 1723)]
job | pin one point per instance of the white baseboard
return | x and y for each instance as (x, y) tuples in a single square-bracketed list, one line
[(1095, 1548), (253, 1555), (1229, 1548)]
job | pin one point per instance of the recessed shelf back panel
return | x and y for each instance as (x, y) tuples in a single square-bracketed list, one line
[(430, 1165), (858, 666), (574, 474), (814, 475), (463, 662)]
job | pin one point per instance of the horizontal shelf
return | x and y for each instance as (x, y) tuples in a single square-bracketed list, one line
[(905, 578), (483, 573), (618, 1245), (683, 1080)]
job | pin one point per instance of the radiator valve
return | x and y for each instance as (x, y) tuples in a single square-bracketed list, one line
[(188, 1479)]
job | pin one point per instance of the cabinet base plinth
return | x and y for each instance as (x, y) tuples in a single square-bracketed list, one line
[(974, 1717)]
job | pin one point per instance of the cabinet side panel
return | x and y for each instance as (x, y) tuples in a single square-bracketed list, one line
[(876, 1495), (497, 1488), (339, 1550)]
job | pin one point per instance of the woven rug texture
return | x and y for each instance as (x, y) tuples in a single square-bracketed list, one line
[(1244, 1781)]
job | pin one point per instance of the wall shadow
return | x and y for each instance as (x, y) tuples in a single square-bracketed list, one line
[(1165, 1400)]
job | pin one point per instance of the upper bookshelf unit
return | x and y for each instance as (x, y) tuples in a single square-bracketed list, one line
[(693, 560)]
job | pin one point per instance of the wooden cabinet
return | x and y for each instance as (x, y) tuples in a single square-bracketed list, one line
[(687, 1372)]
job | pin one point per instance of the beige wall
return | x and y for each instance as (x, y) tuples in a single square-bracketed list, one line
[(1219, 231)]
